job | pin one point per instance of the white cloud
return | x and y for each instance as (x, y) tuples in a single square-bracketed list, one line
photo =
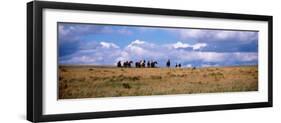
[(181, 45), (81, 59), (221, 56), (108, 45), (218, 35), (209, 65), (188, 66), (240, 36), (212, 56), (218, 57), (197, 56), (192, 33), (140, 50), (137, 48), (199, 46), (124, 56), (196, 46), (245, 56), (72, 32), (139, 43), (98, 54)]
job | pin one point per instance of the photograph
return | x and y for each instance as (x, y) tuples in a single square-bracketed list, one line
[(91, 60), (106, 60)]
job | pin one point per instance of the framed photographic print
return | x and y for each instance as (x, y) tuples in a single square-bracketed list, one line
[(95, 61)]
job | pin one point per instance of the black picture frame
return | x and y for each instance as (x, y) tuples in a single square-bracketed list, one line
[(35, 69)]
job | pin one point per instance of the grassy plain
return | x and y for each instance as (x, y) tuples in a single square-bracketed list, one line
[(92, 81)]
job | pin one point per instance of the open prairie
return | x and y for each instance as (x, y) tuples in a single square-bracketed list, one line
[(92, 81)]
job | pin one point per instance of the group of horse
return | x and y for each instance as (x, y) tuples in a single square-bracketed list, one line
[(138, 64), (144, 64), (149, 64)]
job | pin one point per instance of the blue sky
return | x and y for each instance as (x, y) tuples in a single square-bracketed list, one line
[(93, 44)]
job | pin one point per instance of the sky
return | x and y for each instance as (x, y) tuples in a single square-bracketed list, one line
[(97, 44)]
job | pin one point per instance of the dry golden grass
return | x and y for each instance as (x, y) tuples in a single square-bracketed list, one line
[(91, 81)]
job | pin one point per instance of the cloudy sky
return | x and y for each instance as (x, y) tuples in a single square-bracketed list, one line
[(93, 44)]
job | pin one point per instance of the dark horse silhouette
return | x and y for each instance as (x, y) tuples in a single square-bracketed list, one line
[(140, 64), (168, 63), (153, 64), (148, 64), (143, 63), (127, 63), (119, 64), (136, 64), (178, 65)]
